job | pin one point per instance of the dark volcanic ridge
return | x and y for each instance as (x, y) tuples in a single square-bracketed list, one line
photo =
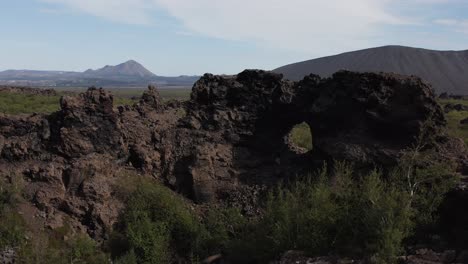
[(446, 71)]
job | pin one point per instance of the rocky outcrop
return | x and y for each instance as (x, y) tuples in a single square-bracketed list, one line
[(152, 98), (454, 216), (464, 121), (363, 118), (88, 124), (455, 107), (228, 143)]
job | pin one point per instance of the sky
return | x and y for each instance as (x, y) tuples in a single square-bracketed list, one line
[(192, 37)]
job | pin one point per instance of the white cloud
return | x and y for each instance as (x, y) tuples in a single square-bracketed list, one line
[(457, 25), (125, 11), (311, 26), (446, 22), (303, 25), (51, 11)]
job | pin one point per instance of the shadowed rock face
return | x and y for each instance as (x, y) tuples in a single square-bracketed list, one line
[(225, 144), (364, 118)]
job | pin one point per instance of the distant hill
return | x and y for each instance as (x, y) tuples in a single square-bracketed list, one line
[(447, 71), (127, 74), (129, 68)]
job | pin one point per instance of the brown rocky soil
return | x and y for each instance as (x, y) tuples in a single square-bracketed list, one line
[(421, 256), (226, 144)]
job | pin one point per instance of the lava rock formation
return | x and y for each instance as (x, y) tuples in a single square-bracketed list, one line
[(227, 142)]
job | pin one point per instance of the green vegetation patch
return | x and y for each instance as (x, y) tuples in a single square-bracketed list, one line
[(16, 103), (159, 226), (339, 212), (12, 225), (301, 136), (47, 247), (455, 128)]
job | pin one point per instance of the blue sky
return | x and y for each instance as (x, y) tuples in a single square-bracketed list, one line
[(175, 37)]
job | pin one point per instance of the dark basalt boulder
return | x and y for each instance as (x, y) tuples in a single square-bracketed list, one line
[(444, 95), (368, 118), (152, 98), (455, 107), (454, 216)]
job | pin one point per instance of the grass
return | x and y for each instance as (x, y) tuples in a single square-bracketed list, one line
[(301, 136), (453, 120), (453, 101), (12, 226), (455, 128), (15, 103)]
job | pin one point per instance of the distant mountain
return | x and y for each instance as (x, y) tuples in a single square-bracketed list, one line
[(129, 68), (127, 74), (447, 71)]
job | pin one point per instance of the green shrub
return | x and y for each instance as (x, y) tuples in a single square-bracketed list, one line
[(128, 258), (12, 229), (159, 226), (46, 247), (221, 226), (84, 250), (12, 226), (301, 136), (356, 218), (342, 212)]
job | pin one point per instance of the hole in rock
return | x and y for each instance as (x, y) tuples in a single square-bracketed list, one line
[(300, 136)]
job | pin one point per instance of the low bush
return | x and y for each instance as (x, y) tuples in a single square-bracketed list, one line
[(301, 136), (157, 226), (45, 248), (343, 216), (12, 230), (220, 227), (339, 212), (12, 226)]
